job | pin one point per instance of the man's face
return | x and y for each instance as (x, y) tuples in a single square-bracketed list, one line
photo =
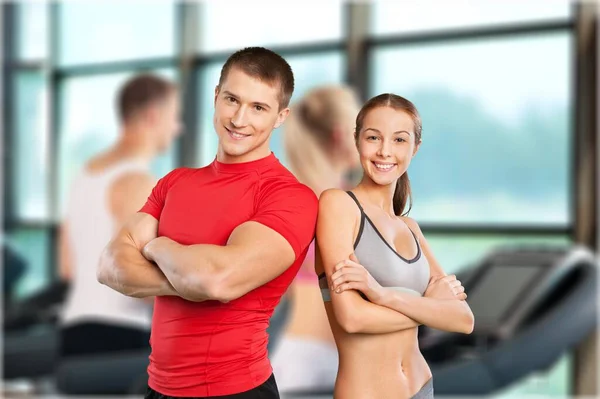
[(246, 112)]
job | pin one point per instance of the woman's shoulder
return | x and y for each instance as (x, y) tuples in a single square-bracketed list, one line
[(413, 225), (337, 202), (334, 197)]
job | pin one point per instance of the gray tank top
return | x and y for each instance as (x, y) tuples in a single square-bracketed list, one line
[(388, 267)]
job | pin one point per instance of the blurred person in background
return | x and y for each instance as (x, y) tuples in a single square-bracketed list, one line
[(378, 275), (110, 188), (319, 144)]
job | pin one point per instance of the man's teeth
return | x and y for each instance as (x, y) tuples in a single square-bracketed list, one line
[(384, 167), (237, 135)]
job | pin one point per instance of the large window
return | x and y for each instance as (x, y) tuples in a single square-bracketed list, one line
[(309, 71), (496, 127), (32, 31), (394, 17), (493, 83), (99, 31), (227, 26), (30, 161)]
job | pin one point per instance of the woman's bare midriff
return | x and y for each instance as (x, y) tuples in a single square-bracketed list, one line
[(379, 366)]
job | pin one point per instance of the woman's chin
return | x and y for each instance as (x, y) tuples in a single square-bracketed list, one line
[(383, 180)]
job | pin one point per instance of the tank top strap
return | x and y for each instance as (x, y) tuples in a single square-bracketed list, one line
[(125, 167), (351, 194)]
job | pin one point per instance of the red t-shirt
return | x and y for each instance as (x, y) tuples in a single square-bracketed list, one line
[(212, 348)]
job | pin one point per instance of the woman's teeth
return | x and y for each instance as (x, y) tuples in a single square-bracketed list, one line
[(384, 167)]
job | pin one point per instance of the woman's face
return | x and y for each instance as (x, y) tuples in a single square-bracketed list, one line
[(386, 144)]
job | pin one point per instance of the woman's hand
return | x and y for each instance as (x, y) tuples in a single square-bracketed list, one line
[(445, 287), (351, 275)]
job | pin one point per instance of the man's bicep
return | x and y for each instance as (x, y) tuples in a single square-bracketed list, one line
[(265, 251), (292, 213), (270, 242), (139, 229)]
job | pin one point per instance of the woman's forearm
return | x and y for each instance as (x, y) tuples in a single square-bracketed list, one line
[(357, 315), (443, 314)]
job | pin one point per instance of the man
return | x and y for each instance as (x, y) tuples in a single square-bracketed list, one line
[(220, 245), (110, 189)]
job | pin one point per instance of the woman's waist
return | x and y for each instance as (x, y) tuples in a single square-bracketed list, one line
[(378, 375), (392, 359), (393, 349)]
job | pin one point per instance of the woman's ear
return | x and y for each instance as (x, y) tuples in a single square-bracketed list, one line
[(416, 149)]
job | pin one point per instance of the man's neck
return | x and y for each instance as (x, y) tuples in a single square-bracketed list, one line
[(135, 144), (253, 155)]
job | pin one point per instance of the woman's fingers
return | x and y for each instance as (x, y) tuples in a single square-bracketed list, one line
[(346, 277), (346, 265), (349, 286), (455, 283)]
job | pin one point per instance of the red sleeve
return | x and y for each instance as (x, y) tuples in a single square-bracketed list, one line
[(291, 210), (156, 201)]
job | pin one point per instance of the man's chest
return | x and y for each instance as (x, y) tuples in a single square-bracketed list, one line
[(207, 213)]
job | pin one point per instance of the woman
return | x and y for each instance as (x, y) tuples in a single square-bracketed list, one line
[(378, 275), (320, 152)]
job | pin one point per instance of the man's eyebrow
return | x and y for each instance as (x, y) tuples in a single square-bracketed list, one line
[(265, 105)]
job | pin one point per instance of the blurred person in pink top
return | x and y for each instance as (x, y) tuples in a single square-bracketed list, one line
[(319, 144)]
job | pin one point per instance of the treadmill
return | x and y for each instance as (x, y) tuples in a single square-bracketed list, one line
[(531, 306)]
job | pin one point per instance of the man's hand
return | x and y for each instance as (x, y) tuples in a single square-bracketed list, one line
[(351, 275), (445, 287), (152, 246)]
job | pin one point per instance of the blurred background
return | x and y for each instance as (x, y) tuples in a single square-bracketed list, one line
[(507, 92)]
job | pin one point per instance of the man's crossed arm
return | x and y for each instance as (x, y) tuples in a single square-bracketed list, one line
[(138, 263)]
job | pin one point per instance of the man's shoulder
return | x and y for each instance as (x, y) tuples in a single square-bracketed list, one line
[(277, 169), (176, 175), (285, 182)]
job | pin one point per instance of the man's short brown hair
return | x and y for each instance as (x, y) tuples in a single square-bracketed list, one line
[(141, 91), (264, 65)]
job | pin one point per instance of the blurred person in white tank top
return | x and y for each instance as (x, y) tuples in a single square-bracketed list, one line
[(111, 187)]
